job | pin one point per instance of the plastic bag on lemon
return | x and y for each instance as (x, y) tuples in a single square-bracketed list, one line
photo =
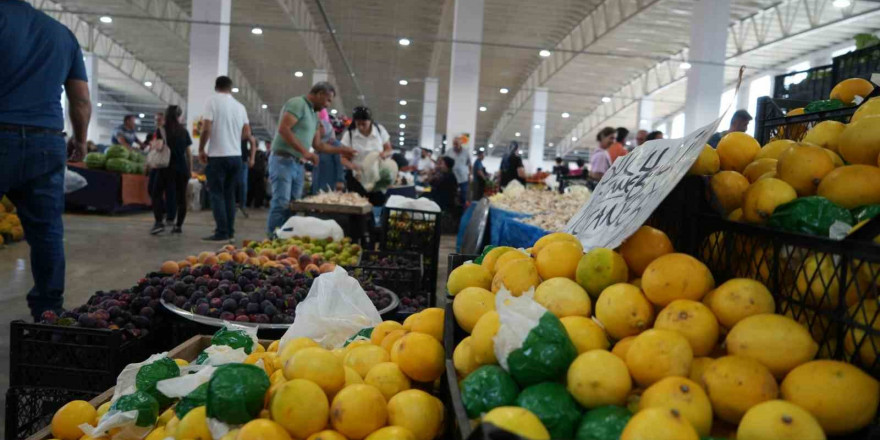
[(531, 343), (335, 309), (296, 226)]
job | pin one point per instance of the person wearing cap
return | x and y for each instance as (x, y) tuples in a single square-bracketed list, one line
[(738, 122)]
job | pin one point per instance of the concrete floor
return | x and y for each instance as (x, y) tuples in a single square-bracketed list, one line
[(112, 252)]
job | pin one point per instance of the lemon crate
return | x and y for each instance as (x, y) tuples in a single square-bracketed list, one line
[(414, 231)]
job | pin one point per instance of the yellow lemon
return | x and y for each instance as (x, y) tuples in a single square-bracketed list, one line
[(382, 330), (294, 345), (597, 378), (764, 196), (624, 311), (736, 150), (778, 420), (758, 168), (553, 237), (659, 424), (729, 188), (262, 429), (463, 358), (643, 247), (328, 434), (869, 108), (585, 334), (319, 366), (468, 275), (600, 268), (658, 353), (419, 356), (848, 89), (273, 347), (389, 340), (491, 257), (707, 162), (430, 322), (362, 359), (776, 341), (194, 425), (676, 276), (156, 434), (803, 166), (388, 379), (392, 433), (66, 421), (358, 410), (300, 407), (517, 276), (698, 367), (519, 421), (683, 395), (352, 377), (417, 411), (852, 186), (354, 344), (482, 338), (773, 149), (621, 347), (825, 134), (563, 297), (559, 259), (737, 383), (694, 321), (739, 298), (508, 257), (470, 304)]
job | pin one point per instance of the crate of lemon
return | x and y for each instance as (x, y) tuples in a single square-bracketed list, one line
[(636, 343), (372, 388)]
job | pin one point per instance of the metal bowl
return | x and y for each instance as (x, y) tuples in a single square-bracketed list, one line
[(217, 322)]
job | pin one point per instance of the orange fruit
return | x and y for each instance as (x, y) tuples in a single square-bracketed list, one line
[(643, 247)]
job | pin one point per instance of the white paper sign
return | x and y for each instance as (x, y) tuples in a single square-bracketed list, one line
[(634, 186)]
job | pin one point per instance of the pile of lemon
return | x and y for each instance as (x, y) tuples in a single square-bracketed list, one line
[(371, 389), (837, 161), (655, 334)]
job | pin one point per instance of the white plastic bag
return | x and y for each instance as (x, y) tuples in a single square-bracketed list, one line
[(73, 181), (224, 354), (420, 204), (194, 195), (517, 316), (125, 381), (335, 309), (310, 227), (179, 387)]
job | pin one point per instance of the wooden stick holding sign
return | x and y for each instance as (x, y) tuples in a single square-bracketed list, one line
[(636, 184)]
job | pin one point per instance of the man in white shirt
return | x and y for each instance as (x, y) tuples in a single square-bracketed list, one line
[(224, 125), (462, 168)]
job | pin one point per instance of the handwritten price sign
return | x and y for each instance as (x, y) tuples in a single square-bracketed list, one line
[(634, 186)]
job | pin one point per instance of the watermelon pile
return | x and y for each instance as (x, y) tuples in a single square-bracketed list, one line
[(95, 161)]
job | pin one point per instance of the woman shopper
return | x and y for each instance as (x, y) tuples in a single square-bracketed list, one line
[(171, 181), (365, 137), (328, 174), (600, 160)]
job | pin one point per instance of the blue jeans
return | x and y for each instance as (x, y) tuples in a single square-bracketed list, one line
[(32, 176), (286, 175), (222, 178), (242, 183), (462, 193)]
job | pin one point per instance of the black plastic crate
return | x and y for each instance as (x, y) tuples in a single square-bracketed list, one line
[(75, 358), (403, 278), (30, 409), (814, 84), (857, 64), (415, 231), (771, 122)]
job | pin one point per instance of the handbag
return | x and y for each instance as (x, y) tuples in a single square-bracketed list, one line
[(159, 155)]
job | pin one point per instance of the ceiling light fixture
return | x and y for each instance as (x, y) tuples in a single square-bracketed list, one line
[(482, 149), (574, 138), (264, 106), (235, 90), (483, 108), (400, 143), (141, 115), (538, 126), (402, 117), (106, 19), (491, 145), (403, 41), (503, 91), (100, 104), (684, 65), (606, 99), (334, 111), (257, 31), (403, 82), (402, 102), (644, 121), (401, 133), (544, 53), (565, 115), (550, 144), (841, 3), (298, 74), (400, 138), (402, 125), (516, 134), (148, 83)]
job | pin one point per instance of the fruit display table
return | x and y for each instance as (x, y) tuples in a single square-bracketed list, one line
[(109, 192)]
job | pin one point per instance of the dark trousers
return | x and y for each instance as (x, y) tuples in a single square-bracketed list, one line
[(32, 176), (256, 196), (222, 179), (168, 192)]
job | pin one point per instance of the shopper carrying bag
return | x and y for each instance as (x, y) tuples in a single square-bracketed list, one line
[(159, 155)]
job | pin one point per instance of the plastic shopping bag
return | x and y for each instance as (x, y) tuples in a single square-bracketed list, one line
[(335, 309), (310, 227), (420, 204), (73, 181), (194, 195)]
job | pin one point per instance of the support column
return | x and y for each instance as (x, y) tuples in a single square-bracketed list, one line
[(208, 54), (318, 75), (429, 114), (705, 79), (645, 114), (464, 72), (92, 73), (539, 129)]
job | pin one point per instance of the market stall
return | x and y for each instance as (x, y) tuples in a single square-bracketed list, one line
[(109, 191)]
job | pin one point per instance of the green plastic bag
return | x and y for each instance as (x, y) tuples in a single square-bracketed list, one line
[(486, 250), (486, 388), (146, 406), (233, 338), (552, 403), (823, 105), (364, 334), (198, 397), (603, 423), (149, 375), (809, 215), (866, 212), (236, 392), (531, 343)]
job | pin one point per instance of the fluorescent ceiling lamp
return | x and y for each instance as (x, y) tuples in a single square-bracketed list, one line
[(483, 108), (684, 66), (334, 111), (106, 19), (402, 117), (402, 102), (841, 3), (100, 104), (606, 99), (537, 125), (148, 83), (264, 106), (403, 41), (565, 115), (235, 90), (402, 125), (403, 82), (298, 74), (491, 145), (516, 134), (574, 138), (544, 53), (257, 31), (141, 115), (503, 91)]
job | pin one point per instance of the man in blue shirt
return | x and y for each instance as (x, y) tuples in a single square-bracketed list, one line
[(40, 56), (738, 122), (126, 134)]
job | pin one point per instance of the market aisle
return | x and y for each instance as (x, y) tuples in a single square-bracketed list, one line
[(113, 252)]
